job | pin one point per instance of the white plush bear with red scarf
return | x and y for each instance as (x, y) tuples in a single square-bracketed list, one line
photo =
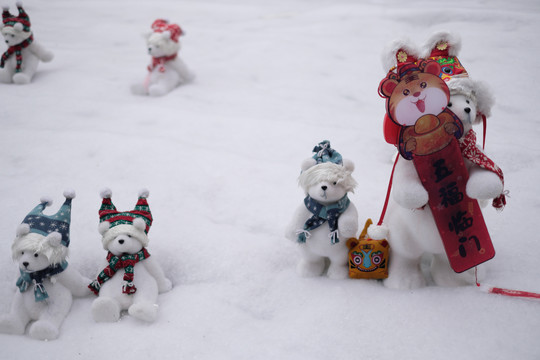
[(20, 61), (46, 285), (131, 279), (167, 70), (409, 225), (327, 218)]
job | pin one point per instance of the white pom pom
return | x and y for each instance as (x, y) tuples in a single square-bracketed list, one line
[(19, 3), (139, 224), (46, 200), (103, 227), (54, 239), (105, 193), (69, 194), (144, 193), (18, 27), (378, 232), (23, 229)]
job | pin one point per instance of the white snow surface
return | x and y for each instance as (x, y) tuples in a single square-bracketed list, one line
[(221, 157)]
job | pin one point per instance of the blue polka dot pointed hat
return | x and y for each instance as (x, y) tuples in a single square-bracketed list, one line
[(42, 224)]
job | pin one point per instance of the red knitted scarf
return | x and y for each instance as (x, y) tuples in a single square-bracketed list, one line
[(126, 262), (17, 49), (160, 61), (473, 153)]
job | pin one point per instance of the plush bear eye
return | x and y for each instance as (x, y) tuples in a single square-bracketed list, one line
[(335, 183), (406, 92), (129, 236), (22, 252), (423, 84), (36, 255), (449, 104), (467, 101)]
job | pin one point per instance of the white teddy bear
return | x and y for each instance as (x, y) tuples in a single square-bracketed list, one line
[(167, 70), (327, 219), (47, 283), (131, 279), (409, 224), (19, 63)]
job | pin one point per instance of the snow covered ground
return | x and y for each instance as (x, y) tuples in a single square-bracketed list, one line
[(221, 157)]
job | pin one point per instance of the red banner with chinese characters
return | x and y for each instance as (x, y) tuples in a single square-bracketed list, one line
[(457, 216)]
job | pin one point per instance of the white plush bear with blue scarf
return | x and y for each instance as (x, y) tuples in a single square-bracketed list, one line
[(46, 283), (327, 218)]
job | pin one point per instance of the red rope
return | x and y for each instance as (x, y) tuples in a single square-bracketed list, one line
[(507, 292), (381, 218)]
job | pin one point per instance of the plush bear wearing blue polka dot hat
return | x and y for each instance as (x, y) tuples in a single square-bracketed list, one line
[(325, 220), (46, 285)]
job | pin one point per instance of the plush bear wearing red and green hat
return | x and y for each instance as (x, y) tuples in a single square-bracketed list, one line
[(19, 62), (131, 279)]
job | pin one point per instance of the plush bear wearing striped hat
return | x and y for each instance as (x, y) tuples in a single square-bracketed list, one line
[(46, 283), (131, 279), (19, 62), (327, 218), (166, 70)]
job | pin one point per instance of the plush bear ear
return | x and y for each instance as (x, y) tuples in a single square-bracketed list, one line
[(54, 239), (139, 224), (348, 165), (431, 67), (23, 229), (306, 164), (103, 227), (387, 86)]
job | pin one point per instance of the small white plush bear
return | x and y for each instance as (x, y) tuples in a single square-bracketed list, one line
[(409, 225), (167, 70), (131, 279), (19, 63), (46, 283), (327, 219)]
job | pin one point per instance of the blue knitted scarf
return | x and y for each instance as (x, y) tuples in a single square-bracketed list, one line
[(36, 278), (321, 214)]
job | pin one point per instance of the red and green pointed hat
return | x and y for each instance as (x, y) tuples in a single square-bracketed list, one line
[(136, 222)]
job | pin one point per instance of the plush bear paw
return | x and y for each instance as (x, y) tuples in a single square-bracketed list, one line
[(47, 56), (21, 79), (165, 285), (138, 89), (105, 310), (337, 272), (483, 184), (411, 197), (43, 330), (310, 268), (10, 325), (144, 311), (156, 90)]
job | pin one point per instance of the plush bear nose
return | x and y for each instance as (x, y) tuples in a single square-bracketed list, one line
[(467, 110), (26, 263), (324, 187), (120, 241)]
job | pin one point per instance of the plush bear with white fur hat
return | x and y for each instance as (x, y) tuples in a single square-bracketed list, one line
[(46, 283), (131, 279), (20, 61), (327, 218)]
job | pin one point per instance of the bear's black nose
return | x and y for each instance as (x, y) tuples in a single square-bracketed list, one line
[(467, 110), (120, 241), (324, 187), (26, 263)]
